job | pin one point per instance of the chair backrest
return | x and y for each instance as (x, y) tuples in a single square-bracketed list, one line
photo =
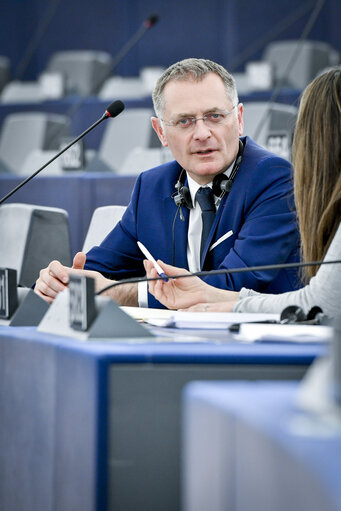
[(103, 220), (31, 237), (123, 88), (84, 71), (312, 56), (271, 126), (23, 132), (5, 71), (38, 157), (144, 158), (22, 92), (131, 129)]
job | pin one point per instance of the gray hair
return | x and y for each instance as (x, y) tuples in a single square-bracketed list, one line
[(195, 69)]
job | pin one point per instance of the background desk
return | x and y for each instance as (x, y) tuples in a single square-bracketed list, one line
[(78, 193), (249, 447), (96, 425), (83, 113)]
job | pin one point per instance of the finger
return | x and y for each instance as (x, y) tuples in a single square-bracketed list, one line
[(48, 299), (148, 266), (79, 261), (152, 273), (48, 285), (57, 270), (171, 270), (199, 307)]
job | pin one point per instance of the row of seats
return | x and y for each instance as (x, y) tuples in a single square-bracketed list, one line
[(289, 63), (129, 144), (79, 72), (32, 236)]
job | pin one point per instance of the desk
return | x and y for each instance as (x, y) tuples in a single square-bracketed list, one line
[(248, 447), (96, 425), (78, 193)]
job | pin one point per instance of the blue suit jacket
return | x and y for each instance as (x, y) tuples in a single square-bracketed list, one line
[(259, 210)]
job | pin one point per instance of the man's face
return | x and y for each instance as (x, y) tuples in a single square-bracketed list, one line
[(202, 150)]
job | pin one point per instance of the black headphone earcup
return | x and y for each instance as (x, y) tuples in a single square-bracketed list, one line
[(186, 197), (221, 184), (292, 314), (183, 197)]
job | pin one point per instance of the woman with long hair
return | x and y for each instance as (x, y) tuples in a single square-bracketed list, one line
[(317, 188)]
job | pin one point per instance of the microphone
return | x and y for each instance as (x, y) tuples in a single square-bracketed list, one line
[(112, 110), (146, 25), (149, 22), (224, 271)]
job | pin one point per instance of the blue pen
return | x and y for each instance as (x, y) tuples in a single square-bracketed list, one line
[(149, 256)]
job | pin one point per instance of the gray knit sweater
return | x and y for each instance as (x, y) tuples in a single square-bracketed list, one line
[(323, 290)]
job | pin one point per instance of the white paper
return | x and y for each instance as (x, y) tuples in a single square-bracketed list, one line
[(210, 320)]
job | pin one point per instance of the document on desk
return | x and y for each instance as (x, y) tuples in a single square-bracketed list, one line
[(147, 314), (252, 327), (210, 320), (295, 333)]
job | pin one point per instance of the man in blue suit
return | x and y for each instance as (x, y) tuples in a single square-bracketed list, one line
[(248, 220)]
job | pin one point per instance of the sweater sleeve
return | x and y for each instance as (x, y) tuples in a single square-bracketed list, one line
[(323, 290)]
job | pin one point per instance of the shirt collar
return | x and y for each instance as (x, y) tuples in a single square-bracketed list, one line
[(194, 186)]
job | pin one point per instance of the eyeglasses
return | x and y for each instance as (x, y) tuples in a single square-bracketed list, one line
[(211, 119)]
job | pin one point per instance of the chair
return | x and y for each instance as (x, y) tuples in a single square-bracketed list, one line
[(271, 125), (131, 129), (311, 57), (84, 71), (144, 158), (31, 237), (150, 75), (22, 92), (23, 132), (103, 220), (5, 71), (123, 88)]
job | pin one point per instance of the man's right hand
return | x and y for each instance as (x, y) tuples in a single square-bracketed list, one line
[(55, 278)]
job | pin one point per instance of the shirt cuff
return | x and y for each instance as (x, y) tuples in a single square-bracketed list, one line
[(142, 294)]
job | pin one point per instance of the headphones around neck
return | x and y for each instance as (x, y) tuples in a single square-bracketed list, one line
[(221, 184)]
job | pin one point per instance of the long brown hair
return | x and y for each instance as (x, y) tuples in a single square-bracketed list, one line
[(317, 166)]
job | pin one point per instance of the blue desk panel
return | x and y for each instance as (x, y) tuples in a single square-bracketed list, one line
[(249, 446), (96, 425)]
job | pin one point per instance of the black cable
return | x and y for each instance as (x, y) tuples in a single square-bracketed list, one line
[(173, 235), (218, 272)]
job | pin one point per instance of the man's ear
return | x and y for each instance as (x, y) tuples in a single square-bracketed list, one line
[(156, 123), (240, 118)]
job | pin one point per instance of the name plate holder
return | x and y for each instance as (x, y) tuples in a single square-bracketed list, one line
[(19, 306), (78, 313)]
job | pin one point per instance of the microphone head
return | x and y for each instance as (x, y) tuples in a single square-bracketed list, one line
[(153, 18), (114, 109)]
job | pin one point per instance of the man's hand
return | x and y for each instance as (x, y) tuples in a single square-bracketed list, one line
[(177, 293), (55, 278), (188, 292)]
